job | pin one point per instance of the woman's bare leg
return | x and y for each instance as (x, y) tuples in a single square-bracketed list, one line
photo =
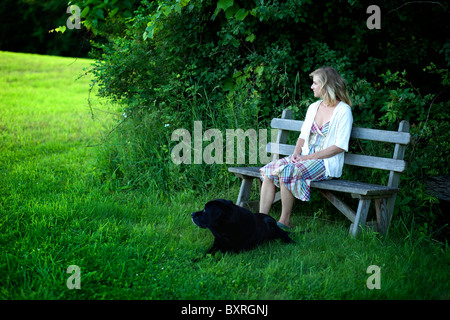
[(267, 195), (287, 202)]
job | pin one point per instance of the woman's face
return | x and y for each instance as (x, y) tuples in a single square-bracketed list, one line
[(316, 87)]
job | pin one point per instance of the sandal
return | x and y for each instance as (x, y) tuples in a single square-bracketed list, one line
[(284, 227)]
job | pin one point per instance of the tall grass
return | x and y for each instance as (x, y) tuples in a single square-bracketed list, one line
[(59, 206)]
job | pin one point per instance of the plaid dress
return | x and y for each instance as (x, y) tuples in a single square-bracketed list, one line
[(297, 176)]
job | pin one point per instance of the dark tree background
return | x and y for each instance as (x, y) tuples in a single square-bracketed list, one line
[(25, 26)]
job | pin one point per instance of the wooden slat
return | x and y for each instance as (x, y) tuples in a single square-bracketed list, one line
[(354, 187), (381, 135), (357, 133), (286, 124), (350, 159), (375, 162), (246, 171), (283, 149)]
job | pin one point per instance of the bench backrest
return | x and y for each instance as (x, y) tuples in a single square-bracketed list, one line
[(395, 165)]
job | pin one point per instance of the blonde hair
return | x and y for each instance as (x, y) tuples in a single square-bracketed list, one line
[(333, 86)]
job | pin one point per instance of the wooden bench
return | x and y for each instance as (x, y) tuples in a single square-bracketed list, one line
[(383, 196)]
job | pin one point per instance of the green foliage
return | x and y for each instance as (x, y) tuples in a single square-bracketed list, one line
[(237, 64), (107, 18)]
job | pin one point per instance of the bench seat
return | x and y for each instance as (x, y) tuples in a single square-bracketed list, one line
[(353, 187)]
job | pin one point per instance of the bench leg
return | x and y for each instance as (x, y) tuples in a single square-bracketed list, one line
[(361, 216), (340, 205), (390, 203), (382, 216), (244, 192)]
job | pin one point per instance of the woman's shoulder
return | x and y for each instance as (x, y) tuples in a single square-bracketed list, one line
[(344, 107)]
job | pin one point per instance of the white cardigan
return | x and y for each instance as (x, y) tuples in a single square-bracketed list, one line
[(338, 134)]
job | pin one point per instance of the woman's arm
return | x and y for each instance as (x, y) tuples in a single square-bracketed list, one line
[(323, 154), (298, 150)]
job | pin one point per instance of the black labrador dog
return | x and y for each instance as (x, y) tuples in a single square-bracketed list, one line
[(235, 228)]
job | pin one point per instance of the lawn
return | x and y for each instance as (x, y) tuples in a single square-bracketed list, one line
[(57, 210)]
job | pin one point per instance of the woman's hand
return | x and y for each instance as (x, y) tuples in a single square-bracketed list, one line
[(296, 157)]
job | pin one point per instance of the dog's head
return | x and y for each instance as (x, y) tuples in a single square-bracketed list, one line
[(213, 214)]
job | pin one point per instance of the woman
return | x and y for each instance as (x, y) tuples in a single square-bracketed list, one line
[(319, 151)]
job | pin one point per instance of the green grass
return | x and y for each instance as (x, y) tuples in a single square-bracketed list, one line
[(56, 210)]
